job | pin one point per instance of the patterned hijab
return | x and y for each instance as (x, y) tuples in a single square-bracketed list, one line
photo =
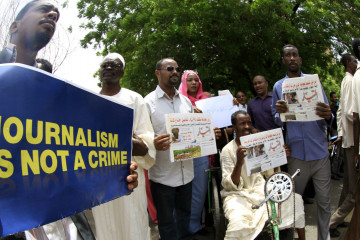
[(184, 90)]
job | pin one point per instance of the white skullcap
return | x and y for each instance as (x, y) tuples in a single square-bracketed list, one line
[(116, 56)]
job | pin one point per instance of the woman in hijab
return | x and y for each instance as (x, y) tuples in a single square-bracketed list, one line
[(191, 87)]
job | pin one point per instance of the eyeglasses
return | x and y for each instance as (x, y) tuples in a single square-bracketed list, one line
[(171, 68), (111, 65)]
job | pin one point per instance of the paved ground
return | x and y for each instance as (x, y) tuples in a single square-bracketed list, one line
[(311, 228), (311, 218)]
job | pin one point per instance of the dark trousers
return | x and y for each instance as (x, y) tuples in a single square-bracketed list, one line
[(173, 206)]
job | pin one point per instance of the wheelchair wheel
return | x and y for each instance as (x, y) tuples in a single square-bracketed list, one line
[(218, 216)]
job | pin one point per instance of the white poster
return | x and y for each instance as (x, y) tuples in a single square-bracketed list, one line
[(301, 95), (224, 92), (220, 108), (191, 134), (265, 150)]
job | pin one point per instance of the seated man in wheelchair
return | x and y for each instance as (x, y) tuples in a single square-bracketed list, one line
[(241, 191)]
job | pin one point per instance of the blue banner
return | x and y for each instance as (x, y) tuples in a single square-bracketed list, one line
[(62, 148)]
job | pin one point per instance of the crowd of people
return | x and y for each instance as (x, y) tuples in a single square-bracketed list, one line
[(174, 193)]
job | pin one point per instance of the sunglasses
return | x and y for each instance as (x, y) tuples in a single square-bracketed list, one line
[(171, 68)]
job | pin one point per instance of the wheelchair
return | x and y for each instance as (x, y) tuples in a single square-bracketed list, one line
[(270, 230), (215, 202)]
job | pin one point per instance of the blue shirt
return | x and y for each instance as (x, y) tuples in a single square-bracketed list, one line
[(307, 140), (260, 113)]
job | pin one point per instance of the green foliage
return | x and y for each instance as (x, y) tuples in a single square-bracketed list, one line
[(70, 29), (65, 4), (228, 42)]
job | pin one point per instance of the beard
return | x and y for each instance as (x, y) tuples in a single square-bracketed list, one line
[(294, 69), (38, 41), (173, 80)]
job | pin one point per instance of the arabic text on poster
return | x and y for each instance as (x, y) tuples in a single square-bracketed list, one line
[(301, 95), (192, 135), (265, 150)]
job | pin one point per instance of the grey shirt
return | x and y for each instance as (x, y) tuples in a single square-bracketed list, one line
[(164, 172)]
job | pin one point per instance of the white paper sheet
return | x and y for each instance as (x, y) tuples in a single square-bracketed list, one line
[(220, 108)]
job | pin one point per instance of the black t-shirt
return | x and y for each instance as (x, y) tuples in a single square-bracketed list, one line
[(334, 108)]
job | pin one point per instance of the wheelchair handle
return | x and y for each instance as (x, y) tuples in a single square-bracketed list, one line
[(295, 173), (266, 199)]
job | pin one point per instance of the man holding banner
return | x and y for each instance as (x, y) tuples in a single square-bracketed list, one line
[(126, 217), (32, 29)]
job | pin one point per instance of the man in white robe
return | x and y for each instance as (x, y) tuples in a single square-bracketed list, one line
[(241, 191), (126, 217), (32, 29)]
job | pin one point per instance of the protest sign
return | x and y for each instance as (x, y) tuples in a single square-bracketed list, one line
[(220, 108), (265, 150), (301, 95), (62, 149), (192, 135)]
